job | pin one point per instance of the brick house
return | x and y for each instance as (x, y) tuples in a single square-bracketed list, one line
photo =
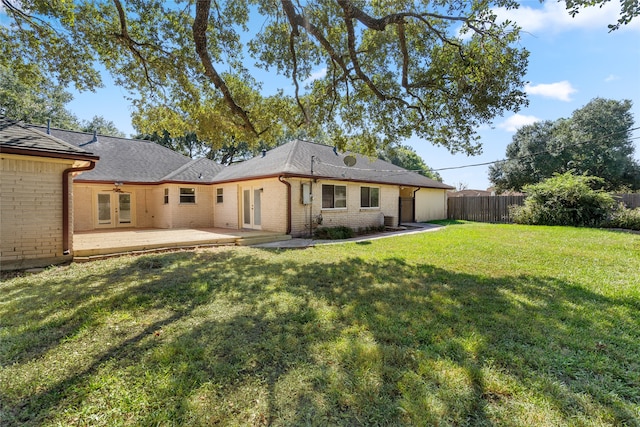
[(36, 202), (287, 189), (290, 189), (139, 184), (300, 185)]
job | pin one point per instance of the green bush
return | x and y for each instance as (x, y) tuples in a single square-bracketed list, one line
[(372, 229), (565, 199), (624, 218), (334, 233)]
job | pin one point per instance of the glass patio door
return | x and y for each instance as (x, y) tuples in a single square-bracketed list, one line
[(114, 210), (252, 208), (124, 209)]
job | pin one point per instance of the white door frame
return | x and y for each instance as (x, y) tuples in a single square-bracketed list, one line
[(111, 209), (251, 207)]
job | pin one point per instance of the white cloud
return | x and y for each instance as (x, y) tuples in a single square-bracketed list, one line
[(554, 18), (611, 78), (516, 121), (559, 90), (317, 75)]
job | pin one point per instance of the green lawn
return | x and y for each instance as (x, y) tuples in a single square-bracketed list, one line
[(474, 324)]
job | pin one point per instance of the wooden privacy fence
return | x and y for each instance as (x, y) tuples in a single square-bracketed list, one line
[(496, 208), (632, 200), (482, 208)]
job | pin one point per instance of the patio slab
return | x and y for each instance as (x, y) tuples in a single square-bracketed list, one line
[(110, 242)]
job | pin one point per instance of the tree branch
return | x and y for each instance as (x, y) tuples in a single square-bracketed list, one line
[(130, 43), (200, 25), (299, 21)]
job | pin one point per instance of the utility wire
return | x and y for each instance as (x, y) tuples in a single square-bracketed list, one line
[(525, 156)]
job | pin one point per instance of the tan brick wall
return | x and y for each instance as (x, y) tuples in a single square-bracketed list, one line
[(82, 208), (273, 203), (147, 206), (431, 204), (229, 214), (185, 215), (31, 211), (161, 213), (352, 216), (226, 214)]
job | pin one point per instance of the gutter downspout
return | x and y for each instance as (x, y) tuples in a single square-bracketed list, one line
[(414, 203), (288, 184), (66, 250)]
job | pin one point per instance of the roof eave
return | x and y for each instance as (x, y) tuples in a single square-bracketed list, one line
[(125, 182), (325, 177), (49, 154)]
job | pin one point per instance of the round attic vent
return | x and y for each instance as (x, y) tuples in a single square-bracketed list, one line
[(349, 160)]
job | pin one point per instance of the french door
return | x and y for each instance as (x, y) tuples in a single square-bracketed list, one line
[(252, 208), (114, 210)]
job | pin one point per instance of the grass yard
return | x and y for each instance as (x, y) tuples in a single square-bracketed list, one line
[(475, 324)]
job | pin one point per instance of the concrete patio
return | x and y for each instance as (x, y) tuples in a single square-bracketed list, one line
[(96, 243)]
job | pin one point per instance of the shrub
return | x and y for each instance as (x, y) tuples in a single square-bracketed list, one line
[(624, 218), (565, 199), (334, 233), (371, 229)]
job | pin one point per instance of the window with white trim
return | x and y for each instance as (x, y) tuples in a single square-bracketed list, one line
[(187, 195), (334, 196), (219, 195), (166, 196), (369, 197)]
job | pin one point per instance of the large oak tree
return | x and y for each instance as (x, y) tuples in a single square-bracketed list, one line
[(596, 141), (392, 69)]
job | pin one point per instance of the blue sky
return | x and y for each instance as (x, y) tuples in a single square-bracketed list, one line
[(572, 60)]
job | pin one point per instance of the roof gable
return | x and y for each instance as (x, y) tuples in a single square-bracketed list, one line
[(202, 169)]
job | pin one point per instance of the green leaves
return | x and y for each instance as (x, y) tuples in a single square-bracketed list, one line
[(565, 199), (595, 140), (363, 74), (25, 94)]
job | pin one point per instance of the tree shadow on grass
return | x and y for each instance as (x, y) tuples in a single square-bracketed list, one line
[(236, 337)]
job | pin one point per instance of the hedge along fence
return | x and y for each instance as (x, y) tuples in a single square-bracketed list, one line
[(496, 208)]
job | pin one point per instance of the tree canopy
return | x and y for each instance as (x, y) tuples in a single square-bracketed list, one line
[(406, 157), (595, 141), (33, 99), (102, 126), (363, 74)]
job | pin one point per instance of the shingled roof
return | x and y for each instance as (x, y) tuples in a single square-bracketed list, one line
[(139, 161), (136, 160), (295, 159), (16, 137)]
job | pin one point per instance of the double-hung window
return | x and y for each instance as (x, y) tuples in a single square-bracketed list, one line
[(369, 197), (166, 196), (219, 195), (334, 196), (187, 195)]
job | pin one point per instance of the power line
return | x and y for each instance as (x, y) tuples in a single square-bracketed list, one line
[(525, 156)]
